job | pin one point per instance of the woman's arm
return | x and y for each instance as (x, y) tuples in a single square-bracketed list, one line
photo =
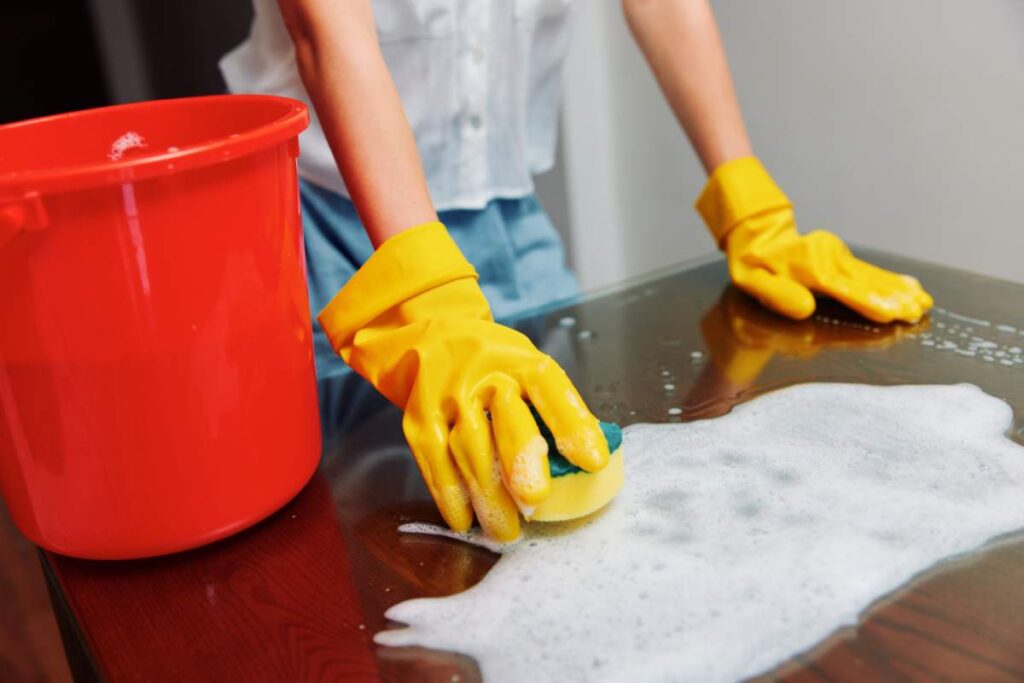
[(746, 212), (680, 40), (341, 65)]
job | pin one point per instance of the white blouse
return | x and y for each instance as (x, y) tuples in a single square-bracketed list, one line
[(480, 81)]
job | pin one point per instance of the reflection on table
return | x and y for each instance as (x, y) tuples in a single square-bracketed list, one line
[(300, 595)]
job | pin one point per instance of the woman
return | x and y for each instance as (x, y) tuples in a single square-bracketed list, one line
[(434, 113)]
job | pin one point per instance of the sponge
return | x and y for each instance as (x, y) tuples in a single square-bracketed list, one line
[(574, 491)]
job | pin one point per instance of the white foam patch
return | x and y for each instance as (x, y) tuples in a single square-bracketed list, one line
[(473, 537), (740, 541), (127, 141)]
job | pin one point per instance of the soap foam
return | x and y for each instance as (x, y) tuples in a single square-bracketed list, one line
[(740, 541), (960, 334), (127, 141)]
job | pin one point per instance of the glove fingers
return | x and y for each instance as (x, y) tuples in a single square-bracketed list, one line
[(924, 299), (522, 450), (876, 294), (472, 446), (779, 293), (428, 438), (909, 285), (577, 432), (878, 304)]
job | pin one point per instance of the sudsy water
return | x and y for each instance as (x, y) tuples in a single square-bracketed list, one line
[(739, 541)]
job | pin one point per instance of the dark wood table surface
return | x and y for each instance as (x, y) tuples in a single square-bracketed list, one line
[(299, 596)]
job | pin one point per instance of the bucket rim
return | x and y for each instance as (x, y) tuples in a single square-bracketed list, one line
[(293, 120)]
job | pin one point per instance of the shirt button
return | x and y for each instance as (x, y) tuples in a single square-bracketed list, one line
[(478, 54), (475, 121)]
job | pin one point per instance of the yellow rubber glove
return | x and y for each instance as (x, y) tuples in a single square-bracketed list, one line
[(415, 324), (752, 221)]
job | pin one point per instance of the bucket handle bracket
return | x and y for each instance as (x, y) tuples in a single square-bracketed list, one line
[(25, 212)]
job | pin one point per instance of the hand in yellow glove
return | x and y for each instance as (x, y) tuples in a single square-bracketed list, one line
[(415, 324), (753, 222)]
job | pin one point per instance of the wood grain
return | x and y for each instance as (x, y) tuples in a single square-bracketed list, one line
[(30, 647), (299, 596), (274, 603)]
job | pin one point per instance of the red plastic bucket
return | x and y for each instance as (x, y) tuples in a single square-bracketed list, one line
[(156, 361)]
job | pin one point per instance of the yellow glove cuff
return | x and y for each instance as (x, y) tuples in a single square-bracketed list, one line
[(735, 191), (413, 262)]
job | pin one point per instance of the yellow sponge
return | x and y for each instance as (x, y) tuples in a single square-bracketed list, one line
[(575, 492)]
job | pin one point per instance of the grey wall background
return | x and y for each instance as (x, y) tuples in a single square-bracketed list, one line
[(896, 124)]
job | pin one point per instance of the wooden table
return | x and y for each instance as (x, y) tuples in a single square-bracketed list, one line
[(300, 595)]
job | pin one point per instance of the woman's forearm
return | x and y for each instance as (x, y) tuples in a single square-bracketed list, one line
[(680, 40), (341, 66)]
